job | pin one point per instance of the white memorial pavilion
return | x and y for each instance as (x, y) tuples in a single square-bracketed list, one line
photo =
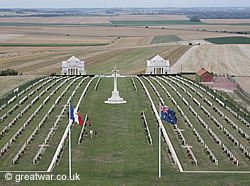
[(158, 65), (73, 66)]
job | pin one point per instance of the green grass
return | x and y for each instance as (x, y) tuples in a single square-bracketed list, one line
[(165, 39), (50, 44), (132, 61), (229, 40)]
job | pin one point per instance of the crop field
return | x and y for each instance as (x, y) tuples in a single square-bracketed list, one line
[(46, 60), (8, 83), (210, 140), (165, 39), (229, 40)]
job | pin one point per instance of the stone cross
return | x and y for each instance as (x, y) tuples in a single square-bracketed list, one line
[(115, 98), (115, 78)]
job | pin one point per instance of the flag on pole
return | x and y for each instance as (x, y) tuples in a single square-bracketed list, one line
[(168, 115), (75, 116)]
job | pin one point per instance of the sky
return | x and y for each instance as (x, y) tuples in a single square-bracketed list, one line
[(120, 3)]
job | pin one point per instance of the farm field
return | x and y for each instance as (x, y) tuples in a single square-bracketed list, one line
[(8, 83), (229, 40), (121, 153), (225, 21), (36, 46), (165, 39), (41, 61)]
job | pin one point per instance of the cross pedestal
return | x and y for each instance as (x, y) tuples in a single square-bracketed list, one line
[(115, 98)]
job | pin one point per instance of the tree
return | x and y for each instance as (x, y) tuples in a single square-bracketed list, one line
[(195, 19)]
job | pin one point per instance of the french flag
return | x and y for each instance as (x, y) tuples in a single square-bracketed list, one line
[(75, 116)]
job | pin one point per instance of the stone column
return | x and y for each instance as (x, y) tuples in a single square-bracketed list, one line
[(115, 79)]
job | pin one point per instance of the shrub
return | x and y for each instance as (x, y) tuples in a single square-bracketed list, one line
[(8, 72)]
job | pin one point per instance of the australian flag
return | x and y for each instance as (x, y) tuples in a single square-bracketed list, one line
[(168, 115)]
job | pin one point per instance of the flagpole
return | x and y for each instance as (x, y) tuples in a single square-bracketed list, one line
[(159, 142), (69, 146)]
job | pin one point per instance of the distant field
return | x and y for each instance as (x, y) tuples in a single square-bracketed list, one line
[(8, 83), (50, 44), (154, 23), (165, 39), (226, 21), (44, 61), (229, 40)]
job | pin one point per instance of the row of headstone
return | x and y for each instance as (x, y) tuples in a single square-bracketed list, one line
[(245, 151), (63, 141), (183, 140), (196, 102), (190, 153), (223, 104), (190, 95), (193, 111), (155, 91), (42, 148), (17, 156), (220, 102), (38, 155), (20, 102), (199, 138), (4, 149), (205, 111), (235, 126), (232, 112), (82, 129), (210, 130), (218, 111), (231, 137), (26, 123), (217, 123), (3, 106), (12, 109), (244, 121), (145, 124), (134, 85), (230, 154), (19, 115), (208, 102), (23, 100), (164, 133), (212, 156), (21, 93), (97, 84), (11, 100), (199, 94)]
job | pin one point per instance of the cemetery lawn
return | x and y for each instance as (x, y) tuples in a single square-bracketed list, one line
[(120, 154)]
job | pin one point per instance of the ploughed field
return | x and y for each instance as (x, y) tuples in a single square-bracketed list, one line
[(211, 134)]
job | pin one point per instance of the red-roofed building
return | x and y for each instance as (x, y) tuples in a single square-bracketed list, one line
[(204, 76)]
